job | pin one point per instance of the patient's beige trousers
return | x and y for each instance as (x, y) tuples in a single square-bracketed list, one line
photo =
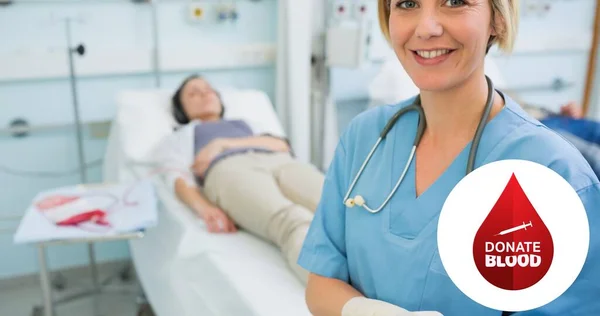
[(270, 195)]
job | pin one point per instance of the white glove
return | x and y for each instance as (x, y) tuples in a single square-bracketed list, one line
[(362, 306)]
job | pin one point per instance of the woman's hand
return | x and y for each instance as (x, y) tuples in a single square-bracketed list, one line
[(206, 155), (217, 221)]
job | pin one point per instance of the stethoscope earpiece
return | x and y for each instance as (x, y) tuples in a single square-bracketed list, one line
[(356, 201), (349, 203)]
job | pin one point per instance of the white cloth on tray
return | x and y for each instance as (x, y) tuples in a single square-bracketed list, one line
[(135, 210)]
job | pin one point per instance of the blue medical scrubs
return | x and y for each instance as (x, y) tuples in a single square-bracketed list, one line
[(392, 255)]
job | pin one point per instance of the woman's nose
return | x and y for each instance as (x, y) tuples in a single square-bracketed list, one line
[(428, 26)]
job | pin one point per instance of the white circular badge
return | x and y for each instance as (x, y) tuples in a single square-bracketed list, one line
[(513, 235)]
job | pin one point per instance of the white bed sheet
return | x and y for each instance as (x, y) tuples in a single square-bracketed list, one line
[(187, 271)]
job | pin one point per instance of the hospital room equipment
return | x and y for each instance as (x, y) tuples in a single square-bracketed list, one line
[(63, 216), (416, 106), (184, 269), (67, 212), (98, 286), (349, 40)]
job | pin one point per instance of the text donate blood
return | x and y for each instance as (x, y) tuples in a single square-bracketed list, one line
[(513, 248)]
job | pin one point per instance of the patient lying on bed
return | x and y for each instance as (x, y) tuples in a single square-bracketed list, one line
[(238, 177)]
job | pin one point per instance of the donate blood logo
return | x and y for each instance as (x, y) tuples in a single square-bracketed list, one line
[(513, 235), (513, 248)]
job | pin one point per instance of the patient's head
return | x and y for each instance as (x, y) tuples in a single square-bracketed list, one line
[(196, 100)]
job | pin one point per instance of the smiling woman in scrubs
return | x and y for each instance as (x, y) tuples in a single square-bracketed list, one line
[(387, 263)]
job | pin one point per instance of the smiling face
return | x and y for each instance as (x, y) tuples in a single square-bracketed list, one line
[(440, 43)]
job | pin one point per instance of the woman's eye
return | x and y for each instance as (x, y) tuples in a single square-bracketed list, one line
[(455, 3), (407, 4)]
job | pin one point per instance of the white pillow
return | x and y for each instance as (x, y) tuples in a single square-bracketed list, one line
[(144, 117), (254, 107)]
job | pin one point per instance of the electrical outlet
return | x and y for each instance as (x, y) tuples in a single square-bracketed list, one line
[(538, 8), (361, 10), (341, 10), (197, 12), (233, 13), (227, 12), (99, 130)]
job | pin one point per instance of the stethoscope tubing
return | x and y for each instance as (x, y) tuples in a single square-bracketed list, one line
[(416, 106)]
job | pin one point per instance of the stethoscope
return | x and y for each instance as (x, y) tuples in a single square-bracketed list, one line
[(416, 106)]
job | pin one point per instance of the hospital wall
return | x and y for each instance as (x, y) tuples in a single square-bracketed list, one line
[(34, 85), (551, 45)]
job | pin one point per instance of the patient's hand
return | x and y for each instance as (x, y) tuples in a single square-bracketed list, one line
[(572, 109), (217, 221), (206, 155)]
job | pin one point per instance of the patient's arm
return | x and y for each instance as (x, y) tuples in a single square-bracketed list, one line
[(269, 142), (216, 220), (206, 155)]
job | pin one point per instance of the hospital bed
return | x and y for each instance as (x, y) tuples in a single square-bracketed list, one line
[(183, 269)]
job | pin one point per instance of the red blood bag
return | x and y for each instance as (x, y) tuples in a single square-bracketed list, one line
[(65, 210)]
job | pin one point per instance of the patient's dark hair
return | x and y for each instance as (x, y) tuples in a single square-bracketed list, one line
[(178, 111)]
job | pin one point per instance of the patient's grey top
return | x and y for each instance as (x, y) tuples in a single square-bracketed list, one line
[(205, 132)]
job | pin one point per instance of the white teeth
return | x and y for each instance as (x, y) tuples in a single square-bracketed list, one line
[(432, 53)]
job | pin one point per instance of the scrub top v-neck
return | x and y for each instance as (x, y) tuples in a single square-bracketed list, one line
[(392, 255)]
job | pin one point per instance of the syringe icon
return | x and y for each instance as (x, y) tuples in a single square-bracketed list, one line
[(514, 229)]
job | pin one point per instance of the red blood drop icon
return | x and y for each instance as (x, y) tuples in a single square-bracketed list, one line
[(513, 248)]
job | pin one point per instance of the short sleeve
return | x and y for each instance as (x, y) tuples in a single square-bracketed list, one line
[(582, 298), (324, 249), (589, 151), (175, 155)]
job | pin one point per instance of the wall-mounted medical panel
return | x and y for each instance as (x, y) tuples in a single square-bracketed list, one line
[(555, 27), (39, 50), (547, 65), (128, 45), (547, 81), (53, 64), (217, 57)]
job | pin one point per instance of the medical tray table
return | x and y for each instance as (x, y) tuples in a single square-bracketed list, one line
[(97, 287), (49, 303)]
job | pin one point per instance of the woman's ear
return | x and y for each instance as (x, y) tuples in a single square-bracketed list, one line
[(498, 25)]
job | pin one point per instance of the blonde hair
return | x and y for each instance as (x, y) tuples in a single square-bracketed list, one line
[(507, 11)]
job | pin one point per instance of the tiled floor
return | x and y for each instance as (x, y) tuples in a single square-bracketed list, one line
[(118, 300)]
